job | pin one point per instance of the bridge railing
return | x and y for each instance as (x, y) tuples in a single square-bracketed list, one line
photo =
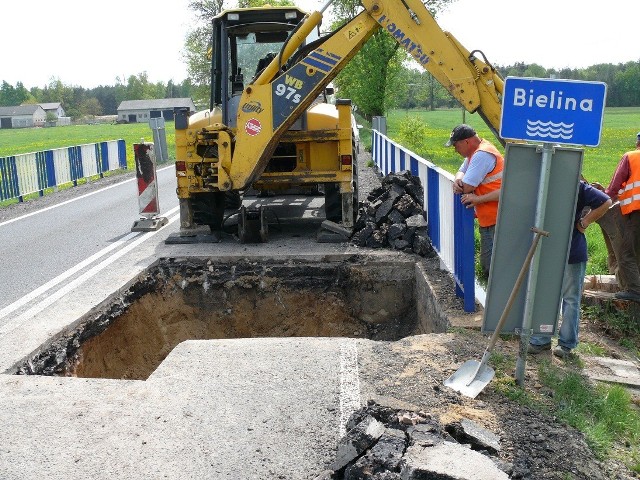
[(29, 173), (451, 224)]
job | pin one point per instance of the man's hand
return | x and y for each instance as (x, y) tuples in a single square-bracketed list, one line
[(470, 200), (458, 186)]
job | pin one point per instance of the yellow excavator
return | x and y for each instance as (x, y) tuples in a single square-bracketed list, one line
[(270, 126)]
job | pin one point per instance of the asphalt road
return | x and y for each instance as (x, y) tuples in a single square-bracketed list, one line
[(45, 248), (264, 409)]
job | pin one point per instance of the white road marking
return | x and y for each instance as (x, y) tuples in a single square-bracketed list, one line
[(63, 276), (80, 280), (73, 199), (349, 382)]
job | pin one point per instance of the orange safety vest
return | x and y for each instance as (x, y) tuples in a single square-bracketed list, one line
[(487, 212), (629, 194)]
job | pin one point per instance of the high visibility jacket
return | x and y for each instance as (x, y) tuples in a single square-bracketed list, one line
[(629, 194), (487, 212)]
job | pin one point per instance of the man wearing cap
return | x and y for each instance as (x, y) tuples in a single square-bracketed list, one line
[(479, 180), (625, 186)]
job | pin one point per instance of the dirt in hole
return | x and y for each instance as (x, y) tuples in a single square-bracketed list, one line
[(137, 342), (192, 302)]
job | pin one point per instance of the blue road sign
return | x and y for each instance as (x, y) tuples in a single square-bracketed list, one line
[(551, 110)]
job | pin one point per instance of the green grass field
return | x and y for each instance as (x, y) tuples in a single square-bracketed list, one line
[(427, 133), (26, 140)]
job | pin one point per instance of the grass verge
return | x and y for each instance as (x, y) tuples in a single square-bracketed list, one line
[(607, 414), (604, 413)]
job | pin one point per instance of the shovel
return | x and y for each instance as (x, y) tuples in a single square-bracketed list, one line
[(473, 376)]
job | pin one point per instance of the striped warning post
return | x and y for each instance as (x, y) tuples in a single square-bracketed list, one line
[(148, 203)]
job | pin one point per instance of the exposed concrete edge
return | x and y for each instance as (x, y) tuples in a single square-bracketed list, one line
[(428, 306), (375, 255), (430, 316)]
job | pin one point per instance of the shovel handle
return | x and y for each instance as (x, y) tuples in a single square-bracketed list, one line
[(514, 292)]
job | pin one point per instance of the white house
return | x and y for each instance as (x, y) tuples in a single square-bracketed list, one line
[(54, 107), (22, 116), (140, 111)]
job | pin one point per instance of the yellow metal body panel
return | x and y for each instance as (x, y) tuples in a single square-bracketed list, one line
[(257, 136)]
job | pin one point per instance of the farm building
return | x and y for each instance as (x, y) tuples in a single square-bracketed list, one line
[(22, 116), (55, 110), (140, 111), (54, 107)]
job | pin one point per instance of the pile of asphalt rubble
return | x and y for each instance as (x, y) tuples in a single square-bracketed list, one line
[(393, 217), (383, 443)]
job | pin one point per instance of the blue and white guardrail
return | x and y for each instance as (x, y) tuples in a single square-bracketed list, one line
[(451, 224), (29, 173)]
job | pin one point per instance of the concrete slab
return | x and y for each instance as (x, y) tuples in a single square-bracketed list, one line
[(613, 370), (227, 409)]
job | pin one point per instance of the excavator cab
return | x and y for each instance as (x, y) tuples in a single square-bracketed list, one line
[(244, 42)]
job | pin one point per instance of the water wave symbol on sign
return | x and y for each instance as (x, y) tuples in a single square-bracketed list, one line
[(550, 129)]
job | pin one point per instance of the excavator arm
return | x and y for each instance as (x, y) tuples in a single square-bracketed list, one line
[(284, 90), (473, 82)]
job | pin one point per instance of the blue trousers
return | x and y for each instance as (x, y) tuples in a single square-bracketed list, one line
[(572, 283), (486, 247)]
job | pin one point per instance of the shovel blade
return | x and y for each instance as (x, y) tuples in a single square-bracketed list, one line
[(468, 380)]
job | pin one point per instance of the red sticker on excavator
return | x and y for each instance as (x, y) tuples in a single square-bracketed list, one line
[(252, 127)]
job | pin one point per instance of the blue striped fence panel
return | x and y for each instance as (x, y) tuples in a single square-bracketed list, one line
[(392, 159), (122, 154), (41, 167), (104, 157), (464, 252), (27, 170), (89, 158), (374, 144), (75, 164), (433, 207), (9, 178), (414, 166), (50, 169), (62, 166), (452, 232)]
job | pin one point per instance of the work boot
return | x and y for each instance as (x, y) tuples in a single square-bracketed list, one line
[(563, 352), (627, 295), (535, 349)]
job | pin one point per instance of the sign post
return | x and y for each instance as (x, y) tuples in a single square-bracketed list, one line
[(550, 112)]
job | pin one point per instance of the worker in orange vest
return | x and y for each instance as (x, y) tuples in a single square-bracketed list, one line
[(479, 180), (625, 187)]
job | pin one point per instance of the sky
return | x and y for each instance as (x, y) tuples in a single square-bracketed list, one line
[(87, 44), (551, 33)]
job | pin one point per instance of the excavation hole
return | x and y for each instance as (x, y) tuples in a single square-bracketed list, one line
[(178, 300)]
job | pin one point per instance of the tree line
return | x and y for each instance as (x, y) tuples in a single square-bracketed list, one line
[(79, 102), (418, 89)]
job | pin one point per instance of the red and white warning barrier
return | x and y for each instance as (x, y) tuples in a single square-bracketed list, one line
[(148, 203)]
